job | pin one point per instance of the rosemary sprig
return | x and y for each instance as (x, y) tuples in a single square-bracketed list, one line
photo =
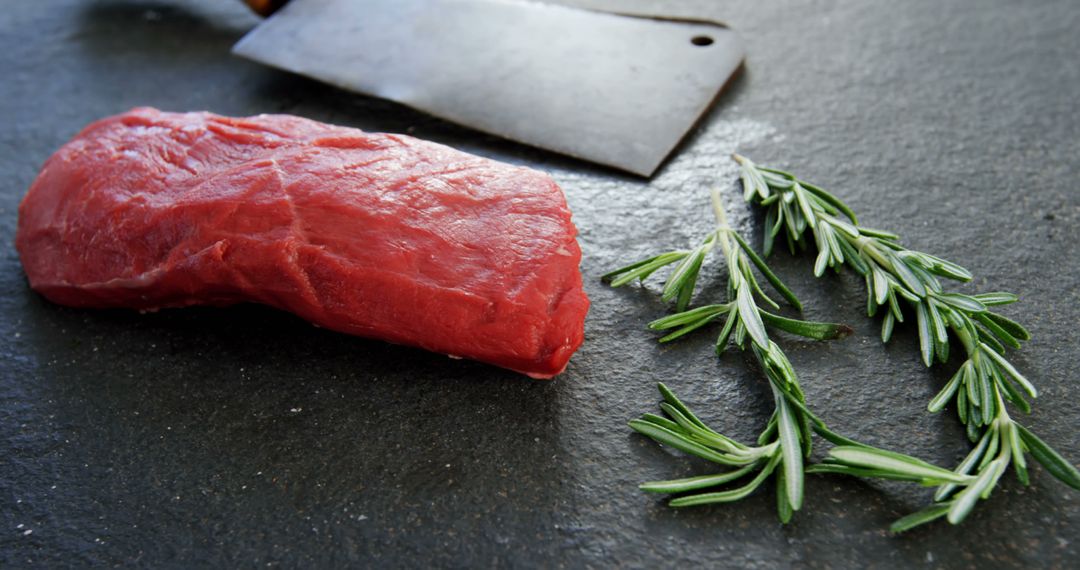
[(785, 443), (984, 382), (743, 317)]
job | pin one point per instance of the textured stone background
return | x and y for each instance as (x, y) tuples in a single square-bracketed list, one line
[(244, 437)]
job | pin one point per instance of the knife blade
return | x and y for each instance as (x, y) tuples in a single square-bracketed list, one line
[(612, 89)]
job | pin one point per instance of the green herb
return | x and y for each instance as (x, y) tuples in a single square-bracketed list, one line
[(984, 382), (741, 314), (785, 442)]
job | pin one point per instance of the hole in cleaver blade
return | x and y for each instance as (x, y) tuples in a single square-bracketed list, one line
[(616, 90)]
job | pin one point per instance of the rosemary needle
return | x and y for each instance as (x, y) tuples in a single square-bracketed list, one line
[(983, 384)]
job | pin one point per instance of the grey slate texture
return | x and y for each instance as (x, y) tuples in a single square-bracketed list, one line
[(244, 437)]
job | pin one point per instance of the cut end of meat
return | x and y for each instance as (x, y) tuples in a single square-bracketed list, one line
[(378, 235)]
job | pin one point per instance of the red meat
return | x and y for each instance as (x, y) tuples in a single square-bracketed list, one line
[(378, 235)]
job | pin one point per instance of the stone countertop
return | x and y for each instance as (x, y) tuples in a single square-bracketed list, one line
[(244, 437)]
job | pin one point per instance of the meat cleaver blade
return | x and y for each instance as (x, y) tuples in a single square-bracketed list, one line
[(612, 89)]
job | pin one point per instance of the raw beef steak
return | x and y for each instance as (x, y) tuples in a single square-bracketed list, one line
[(378, 235)]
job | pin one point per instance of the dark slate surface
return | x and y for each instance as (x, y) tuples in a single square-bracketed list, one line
[(244, 437)]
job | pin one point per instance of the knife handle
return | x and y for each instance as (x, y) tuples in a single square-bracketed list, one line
[(265, 7)]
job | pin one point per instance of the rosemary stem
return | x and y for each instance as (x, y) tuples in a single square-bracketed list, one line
[(965, 340), (867, 246), (722, 226)]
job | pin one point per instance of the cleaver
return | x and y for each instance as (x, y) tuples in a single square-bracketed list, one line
[(613, 89)]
